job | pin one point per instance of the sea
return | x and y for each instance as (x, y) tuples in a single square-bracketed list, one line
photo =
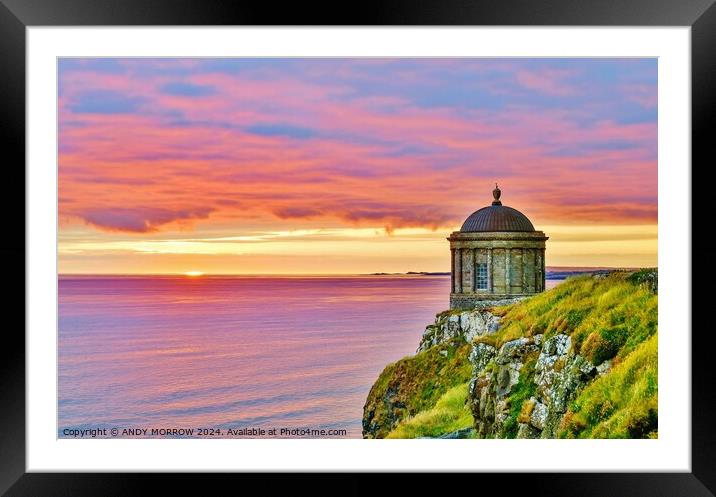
[(232, 356)]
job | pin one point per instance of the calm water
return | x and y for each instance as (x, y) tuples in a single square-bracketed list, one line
[(238, 352)]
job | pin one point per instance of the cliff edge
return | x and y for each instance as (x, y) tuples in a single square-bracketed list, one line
[(577, 361)]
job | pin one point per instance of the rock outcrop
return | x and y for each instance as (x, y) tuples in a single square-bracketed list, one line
[(463, 325), (547, 375)]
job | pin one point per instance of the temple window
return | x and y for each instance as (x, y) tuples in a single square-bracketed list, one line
[(481, 276)]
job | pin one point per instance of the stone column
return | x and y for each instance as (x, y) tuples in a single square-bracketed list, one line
[(489, 269), (465, 266), (508, 286), (538, 270), (474, 270), (452, 270), (458, 272), (544, 271), (524, 270)]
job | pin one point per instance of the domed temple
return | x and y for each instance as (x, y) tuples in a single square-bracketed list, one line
[(497, 254)]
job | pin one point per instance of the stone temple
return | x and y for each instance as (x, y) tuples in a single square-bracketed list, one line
[(497, 254)]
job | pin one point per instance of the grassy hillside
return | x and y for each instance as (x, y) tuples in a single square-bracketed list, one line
[(606, 317), (414, 384), (612, 323), (449, 414), (620, 404)]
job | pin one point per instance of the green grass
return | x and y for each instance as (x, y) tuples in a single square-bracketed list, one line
[(450, 413), (521, 392), (415, 383), (606, 317), (621, 404)]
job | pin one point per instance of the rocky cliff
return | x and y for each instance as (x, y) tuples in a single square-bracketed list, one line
[(576, 361)]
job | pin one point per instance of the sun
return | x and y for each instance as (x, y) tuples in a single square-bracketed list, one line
[(193, 274)]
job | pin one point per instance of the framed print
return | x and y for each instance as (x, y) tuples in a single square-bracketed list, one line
[(424, 239)]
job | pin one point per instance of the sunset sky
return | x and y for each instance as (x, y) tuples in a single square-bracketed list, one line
[(314, 166)]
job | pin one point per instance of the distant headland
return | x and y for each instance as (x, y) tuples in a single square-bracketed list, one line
[(552, 273)]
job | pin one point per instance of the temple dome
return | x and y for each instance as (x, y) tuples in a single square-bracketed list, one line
[(497, 217)]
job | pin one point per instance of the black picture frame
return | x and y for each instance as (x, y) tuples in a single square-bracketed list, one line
[(17, 15)]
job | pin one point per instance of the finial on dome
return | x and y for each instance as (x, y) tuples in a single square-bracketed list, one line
[(496, 194)]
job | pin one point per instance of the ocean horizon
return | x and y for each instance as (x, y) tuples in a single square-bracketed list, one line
[(221, 352), (549, 269)]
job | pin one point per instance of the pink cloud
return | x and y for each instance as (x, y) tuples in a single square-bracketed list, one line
[(140, 219)]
